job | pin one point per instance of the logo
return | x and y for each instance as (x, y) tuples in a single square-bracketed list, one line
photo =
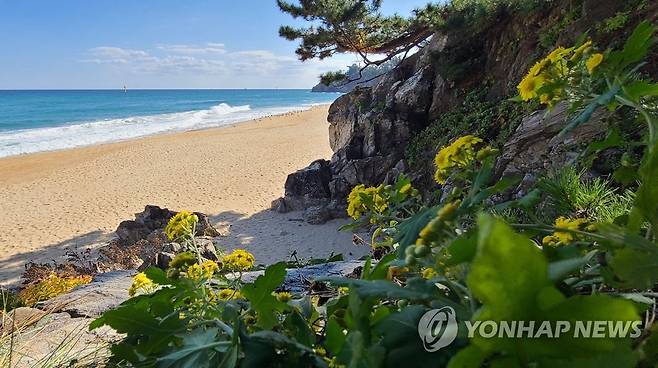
[(438, 328)]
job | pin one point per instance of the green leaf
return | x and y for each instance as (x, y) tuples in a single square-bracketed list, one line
[(527, 202), (334, 336), (636, 268), (512, 292), (158, 276), (638, 44), (411, 227), (399, 333), (380, 270), (462, 249), (299, 329), (259, 294), (646, 197), (469, 357), (612, 139), (625, 175), (198, 348), (135, 319), (379, 288), (510, 276), (559, 269), (272, 349), (637, 90), (588, 111)]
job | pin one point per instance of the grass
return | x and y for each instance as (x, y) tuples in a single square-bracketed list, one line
[(70, 351), (595, 199)]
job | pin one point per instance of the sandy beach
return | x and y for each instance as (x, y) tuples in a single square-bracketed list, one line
[(54, 201)]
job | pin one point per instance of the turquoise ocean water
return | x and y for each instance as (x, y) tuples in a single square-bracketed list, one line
[(33, 121)]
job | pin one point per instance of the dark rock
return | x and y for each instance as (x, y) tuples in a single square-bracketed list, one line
[(154, 218), (206, 247), (299, 280), (537, 145), (310, 182), (163, 259), (415, 94)]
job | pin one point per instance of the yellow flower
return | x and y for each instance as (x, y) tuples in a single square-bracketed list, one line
[(446, 212), (283, 296), (562, 237), (229, 294), (485, 153), (529, 86), (428, 273), (559, 53), (593, 62), (141, 285), (203, 271), (239, 260), (581, 49), (362, 199), (406, 188), (319, 350), (458, 154), (538, 67), (181, 225), (343, 290)]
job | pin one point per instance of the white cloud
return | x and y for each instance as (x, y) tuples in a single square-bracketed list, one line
[(212, 65), (116, 55), (208, 48)]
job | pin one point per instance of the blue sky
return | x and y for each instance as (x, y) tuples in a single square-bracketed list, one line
[(154, 44)]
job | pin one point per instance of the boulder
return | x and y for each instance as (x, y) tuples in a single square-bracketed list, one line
[(305, 188), (310, 182), (19, 318), (299, 280), (154, 218), (537, 144), (415, 94)]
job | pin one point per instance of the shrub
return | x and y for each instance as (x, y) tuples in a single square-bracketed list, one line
[(50, 287), (594, 199)]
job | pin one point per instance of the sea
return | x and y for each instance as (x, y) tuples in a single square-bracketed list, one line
[(46, 120)]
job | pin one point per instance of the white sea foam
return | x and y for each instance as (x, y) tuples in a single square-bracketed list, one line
[(96, 132)]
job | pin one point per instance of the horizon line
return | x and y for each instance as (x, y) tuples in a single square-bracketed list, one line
[(147, 89)]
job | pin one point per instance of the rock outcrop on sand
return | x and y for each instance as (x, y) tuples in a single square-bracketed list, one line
[(141, 243), (370, 127)]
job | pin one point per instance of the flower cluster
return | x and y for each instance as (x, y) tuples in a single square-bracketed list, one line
[(564, 237), (229, 294), (362, 199), (283, 296), (459, 154), (51, 287), (141, 285), (181, 226), (239, 260), (546, 78), (204, 271)]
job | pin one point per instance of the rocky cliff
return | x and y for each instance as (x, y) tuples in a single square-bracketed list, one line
[(373, 129)]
